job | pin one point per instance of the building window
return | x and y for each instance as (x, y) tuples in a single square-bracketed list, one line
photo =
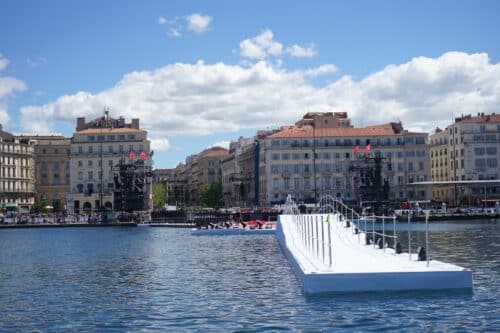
[(286, 183), (56, 165), (491, 162), (276, 183), (44, 165), (479, 151), (275, 157), (491, 150), (56, 180), (328, 182), (80, 163), (307, 184), (296, 183), (90, 163), (110, 162), (479, 162), (80, 175), (91, 149), (91, 175)]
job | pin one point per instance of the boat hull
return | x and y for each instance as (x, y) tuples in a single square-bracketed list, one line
[(233, 231)]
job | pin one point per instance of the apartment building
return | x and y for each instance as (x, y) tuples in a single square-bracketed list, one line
[(464, 152), (238, 178), (52, 172), (97, 147), (313, 157), (17, 176)]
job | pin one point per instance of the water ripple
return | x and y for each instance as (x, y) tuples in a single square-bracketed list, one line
[(156, 279)]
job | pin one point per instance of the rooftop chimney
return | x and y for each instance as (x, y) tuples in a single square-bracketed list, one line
[(135, 123), (80, 123)]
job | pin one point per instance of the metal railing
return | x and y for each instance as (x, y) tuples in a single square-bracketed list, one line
[(312, 236), (312, 233)]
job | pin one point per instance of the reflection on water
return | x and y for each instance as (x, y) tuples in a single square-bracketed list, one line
[(112, 279)]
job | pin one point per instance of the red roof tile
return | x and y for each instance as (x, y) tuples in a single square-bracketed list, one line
[(109, 130), (493, 118), (307, 131)]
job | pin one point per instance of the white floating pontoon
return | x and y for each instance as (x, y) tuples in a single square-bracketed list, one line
[(330, 253)]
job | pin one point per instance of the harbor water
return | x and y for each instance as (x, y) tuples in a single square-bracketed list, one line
[(162, 279)]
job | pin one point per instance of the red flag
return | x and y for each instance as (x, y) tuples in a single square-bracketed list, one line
[(368, 148), (356, 149), (131, 155), (143, 155)]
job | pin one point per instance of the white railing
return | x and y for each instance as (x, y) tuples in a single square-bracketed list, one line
[(362, 223), (312, 236)]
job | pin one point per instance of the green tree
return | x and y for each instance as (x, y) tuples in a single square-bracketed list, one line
[(159, 195), (212, 195)]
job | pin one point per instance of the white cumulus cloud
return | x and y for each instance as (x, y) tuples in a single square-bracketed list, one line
[(201, 99), (162, 20), (223, 144), (198, 23), (8, 86), (3, 62), (302, 52), (173, 32), (260, 46), (159, 144), (321, 70)]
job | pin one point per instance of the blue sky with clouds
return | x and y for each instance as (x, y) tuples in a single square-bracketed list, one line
[(199, 73)]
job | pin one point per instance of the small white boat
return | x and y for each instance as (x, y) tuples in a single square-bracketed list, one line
[(232, 231)]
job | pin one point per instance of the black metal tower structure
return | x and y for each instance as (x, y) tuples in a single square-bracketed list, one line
[(369, 184), (131, 181)]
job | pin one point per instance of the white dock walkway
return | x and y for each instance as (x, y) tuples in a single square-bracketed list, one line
[(329, 257)]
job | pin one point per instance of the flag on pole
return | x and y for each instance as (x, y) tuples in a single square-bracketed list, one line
[(131, 155), (143, 155), (368, 148), (355, 150)]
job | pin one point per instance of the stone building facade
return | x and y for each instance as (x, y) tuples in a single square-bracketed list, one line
[(17, 174), (467, 150), (52, 171), (238, 178), (312, 158), (97, 147)]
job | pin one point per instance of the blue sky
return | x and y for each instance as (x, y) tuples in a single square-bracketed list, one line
[(199, 73)]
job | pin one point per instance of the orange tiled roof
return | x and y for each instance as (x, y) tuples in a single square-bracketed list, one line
[(109, 130), (493, 118), (307, 131), (214, 152)]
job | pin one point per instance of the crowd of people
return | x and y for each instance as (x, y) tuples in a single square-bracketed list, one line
[(64, 218)]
